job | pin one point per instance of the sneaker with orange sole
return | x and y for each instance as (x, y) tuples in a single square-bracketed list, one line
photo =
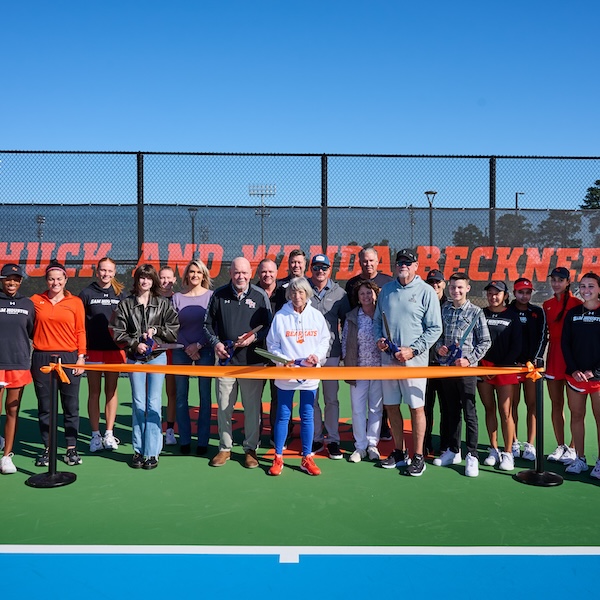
[(308, 466), (277, 465)]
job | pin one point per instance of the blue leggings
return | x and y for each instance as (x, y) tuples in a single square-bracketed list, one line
[(284, 413)]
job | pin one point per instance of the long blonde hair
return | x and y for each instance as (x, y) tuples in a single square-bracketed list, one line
[(117, 286), (206, 280)]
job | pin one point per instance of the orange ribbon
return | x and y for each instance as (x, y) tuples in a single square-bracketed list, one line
[(533, 372), (58, 367), (323, 373)]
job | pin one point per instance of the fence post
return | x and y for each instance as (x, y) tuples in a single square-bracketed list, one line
[(492, 209), (140, 202), (324, 202)]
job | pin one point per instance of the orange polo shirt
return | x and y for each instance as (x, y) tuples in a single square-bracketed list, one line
[(59, 326)]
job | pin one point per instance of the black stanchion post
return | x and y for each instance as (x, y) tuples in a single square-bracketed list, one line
[(538, 476), (52, 478)]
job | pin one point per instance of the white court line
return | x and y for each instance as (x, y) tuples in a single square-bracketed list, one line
[(292, 554)]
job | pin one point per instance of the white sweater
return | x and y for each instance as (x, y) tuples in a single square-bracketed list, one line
[(298, 335)]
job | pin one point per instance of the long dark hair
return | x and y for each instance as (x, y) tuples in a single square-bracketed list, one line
[(148, 271)]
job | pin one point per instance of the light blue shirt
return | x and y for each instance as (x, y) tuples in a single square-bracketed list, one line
[(413, 315)]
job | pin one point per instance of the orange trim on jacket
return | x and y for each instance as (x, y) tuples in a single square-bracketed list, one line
[(59, 326)]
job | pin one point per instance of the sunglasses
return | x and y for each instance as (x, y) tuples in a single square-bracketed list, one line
[(404, 263), (320, 268)]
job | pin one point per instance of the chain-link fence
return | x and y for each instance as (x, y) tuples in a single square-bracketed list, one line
[(491, 216)]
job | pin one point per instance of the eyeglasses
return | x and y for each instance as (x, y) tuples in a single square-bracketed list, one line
[(320, 268), (404, 263)]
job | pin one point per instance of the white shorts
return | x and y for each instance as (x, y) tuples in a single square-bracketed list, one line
[(407, 391)]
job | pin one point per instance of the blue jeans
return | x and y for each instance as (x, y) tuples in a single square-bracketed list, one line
[(284, 413), (182, 382), (146, 391)]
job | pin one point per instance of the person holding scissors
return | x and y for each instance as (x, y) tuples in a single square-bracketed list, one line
[(299, 332), (236, 322), (143, 325), (465, 341)]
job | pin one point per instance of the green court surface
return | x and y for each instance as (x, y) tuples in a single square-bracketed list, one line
[(186, 502)]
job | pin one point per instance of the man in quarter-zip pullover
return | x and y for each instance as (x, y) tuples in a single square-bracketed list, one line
[(234, 310), (412, 311)]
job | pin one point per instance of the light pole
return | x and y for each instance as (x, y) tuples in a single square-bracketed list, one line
[(411, 212), (430, 197), (193, 212), (41, 221), (262, 211), (517, 194)]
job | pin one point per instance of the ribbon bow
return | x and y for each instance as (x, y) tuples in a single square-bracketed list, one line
[(533, 372), (58, 368)]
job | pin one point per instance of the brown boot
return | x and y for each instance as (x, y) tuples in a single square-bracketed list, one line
[(220, 459), (251, 460)]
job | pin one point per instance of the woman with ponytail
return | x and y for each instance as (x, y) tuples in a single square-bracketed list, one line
[(556, 309), (100, 299)]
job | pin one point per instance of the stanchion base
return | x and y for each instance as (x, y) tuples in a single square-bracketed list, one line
[(544, 479), (47, 480)]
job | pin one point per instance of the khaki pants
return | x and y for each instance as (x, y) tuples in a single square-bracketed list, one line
[(251, 392)]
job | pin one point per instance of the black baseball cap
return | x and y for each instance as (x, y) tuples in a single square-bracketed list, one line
[(499, 285), (11, 269), (406, 254), (435, 275), (561, 272)]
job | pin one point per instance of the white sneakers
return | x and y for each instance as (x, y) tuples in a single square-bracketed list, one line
[(596, 470), (579, 465), (516, 449), (557, 454), (357, 456), (507, 461), (528, 452), (446, 458), (96, 443), (569, 455), (110, 442), (7, 466), (493, 457), (170, 437), (373, 453), (471, 466), (563, 454)]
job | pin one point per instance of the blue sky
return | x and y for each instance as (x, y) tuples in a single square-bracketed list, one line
[(377, 76)]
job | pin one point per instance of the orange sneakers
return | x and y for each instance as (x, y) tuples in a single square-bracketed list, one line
[(308, 466), (277, 466)]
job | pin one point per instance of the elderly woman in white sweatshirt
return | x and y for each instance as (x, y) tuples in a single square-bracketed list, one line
[(298, 331)]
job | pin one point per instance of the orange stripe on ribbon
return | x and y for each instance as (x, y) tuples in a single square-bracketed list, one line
[(323, 373)]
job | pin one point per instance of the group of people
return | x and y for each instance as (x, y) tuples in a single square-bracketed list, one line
[(304, 323)]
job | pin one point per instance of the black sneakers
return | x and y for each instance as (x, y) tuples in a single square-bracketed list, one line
[(137, 462), (317, 447), (43, 460), (333, 449), (417, 466), (398, 458), (72, 458), (151, 463)]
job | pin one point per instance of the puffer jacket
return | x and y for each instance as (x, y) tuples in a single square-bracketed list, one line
[(132, 319)]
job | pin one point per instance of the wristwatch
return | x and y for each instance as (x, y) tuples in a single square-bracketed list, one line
[(415, 351)]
